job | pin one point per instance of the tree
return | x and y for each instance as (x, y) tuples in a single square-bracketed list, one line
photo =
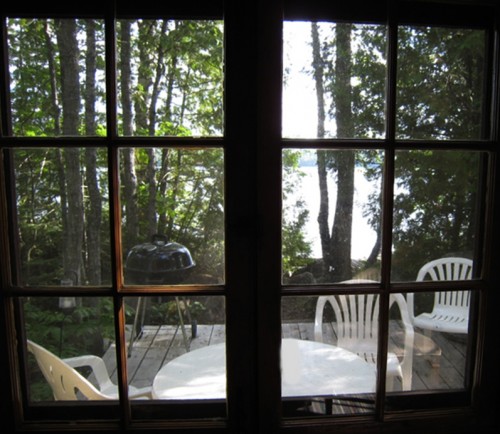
[(336, 245), (73, 223)]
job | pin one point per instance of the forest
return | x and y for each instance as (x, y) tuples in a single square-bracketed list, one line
[(170, 83)]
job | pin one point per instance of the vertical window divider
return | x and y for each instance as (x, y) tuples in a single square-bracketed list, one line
[(115, 214), (387, 211)]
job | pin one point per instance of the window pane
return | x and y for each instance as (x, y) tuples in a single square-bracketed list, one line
[(172, 215), (57, 79), (334, 80), (326, 367), (170, 77), (436, 200), (176, 347), (78, 330), (331, 215), (62, 216), (440, 83)]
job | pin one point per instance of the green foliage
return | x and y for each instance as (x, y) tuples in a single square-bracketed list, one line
[(82, 331), (440, 87), (296, 251), (440, 83), (435, 206)]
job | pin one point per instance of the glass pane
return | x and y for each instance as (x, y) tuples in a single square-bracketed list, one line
[(176, 347), (62, 202), (172, 215), (170, 78), (327, 366), (440, 83), (78, 330), (440, 322), (331, 215), (57, 78), (436, 200), (333, 80)]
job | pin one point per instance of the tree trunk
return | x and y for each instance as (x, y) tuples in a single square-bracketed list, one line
[(335, 245), (70, 97), (162, 189), (128, 175), (94, 217), (54, 105), (340, 247), (94, 214), (160, 70), (318, 72), (141, 102), (150, 180)]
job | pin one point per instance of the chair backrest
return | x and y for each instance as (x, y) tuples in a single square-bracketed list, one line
[(452, 268), (356, 316), (65, 381)]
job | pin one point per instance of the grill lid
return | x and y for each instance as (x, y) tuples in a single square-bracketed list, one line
[(158, 258)]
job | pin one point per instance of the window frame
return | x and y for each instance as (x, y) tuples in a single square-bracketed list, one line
[(253, 241)]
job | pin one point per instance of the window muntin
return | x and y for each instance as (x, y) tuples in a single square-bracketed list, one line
[(58, 89), (181, 95)]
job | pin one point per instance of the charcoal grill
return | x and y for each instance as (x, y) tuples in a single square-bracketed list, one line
[(159, 262)]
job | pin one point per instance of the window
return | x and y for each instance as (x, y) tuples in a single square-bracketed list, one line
[(228, 219)]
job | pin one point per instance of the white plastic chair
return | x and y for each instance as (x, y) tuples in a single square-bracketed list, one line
[(68, 384), (356, 316), (450, 312)]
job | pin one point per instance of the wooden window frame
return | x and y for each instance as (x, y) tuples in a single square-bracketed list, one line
[(253, 289)]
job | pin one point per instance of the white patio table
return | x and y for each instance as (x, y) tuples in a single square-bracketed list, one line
[(309, 369)]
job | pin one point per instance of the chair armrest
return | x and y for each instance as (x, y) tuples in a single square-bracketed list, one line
[(142, 392), (98, 369)]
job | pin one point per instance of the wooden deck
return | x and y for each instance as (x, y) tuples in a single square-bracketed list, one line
[(437, 364)]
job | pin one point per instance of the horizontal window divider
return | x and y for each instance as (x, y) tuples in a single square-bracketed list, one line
[(413, 144), (144, 290), (378, 287), (436, 286), (342, 424), (332, 142), (444, 402), (212, 425), (40, 142), (122, 141), (59, 291), (144, 141), (455, 145), (332, 289)]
